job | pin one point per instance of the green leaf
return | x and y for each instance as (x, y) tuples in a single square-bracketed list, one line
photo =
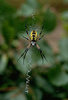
[(47, 51), (8, 32), (2, 97), (42, 83), (65, 67), (64, 16), (3, 63), (57, 76), (28, 8), (22, 67), (6, 9), (63, 47), (38, 93), (65, 1), (10, 95), (61, 95), (49, 20)]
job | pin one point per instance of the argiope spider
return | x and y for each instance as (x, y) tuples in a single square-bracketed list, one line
[(33, 38)]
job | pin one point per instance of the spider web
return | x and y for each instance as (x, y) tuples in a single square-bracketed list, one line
[(29, 64), (28, 76)]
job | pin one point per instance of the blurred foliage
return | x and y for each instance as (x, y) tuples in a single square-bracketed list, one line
[(49, 20), (6, 10), (48, 81), (28, 8), (64, 18)]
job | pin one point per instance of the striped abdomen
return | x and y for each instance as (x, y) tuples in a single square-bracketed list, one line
[(33, 35)]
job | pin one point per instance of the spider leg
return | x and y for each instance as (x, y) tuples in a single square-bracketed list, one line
[(25, 55), (27, 31), (25, 37), (40, 32), (40, 37), (25, 52), (21, 56), (42, 55)]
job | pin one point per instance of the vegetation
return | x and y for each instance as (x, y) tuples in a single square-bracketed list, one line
[(48, 81)]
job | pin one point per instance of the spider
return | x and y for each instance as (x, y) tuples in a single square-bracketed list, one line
[(33, 38)]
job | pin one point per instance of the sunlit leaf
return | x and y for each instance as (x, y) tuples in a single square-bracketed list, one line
[(42, 83), (28, 8), (63, 47), (65, 1), (3, 63), (22, 67), (57, 76), (11, 95), (64, 16), (47, 51)]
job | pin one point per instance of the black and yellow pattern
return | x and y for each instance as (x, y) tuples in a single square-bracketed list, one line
[(33, 35), (33, 38)]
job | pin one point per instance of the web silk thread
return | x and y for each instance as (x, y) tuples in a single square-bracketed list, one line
[(28, 76)]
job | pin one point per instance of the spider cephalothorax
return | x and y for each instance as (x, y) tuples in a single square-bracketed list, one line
[(33, 38)]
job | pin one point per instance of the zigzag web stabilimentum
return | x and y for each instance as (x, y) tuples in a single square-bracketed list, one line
[(28, 76), (29, 63)]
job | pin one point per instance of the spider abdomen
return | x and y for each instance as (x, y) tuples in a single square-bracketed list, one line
[(33, 35)]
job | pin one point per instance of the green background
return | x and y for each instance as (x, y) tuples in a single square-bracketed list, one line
[(48, 80)]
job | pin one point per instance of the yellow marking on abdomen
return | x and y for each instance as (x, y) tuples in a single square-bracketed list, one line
[(35, 37)]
